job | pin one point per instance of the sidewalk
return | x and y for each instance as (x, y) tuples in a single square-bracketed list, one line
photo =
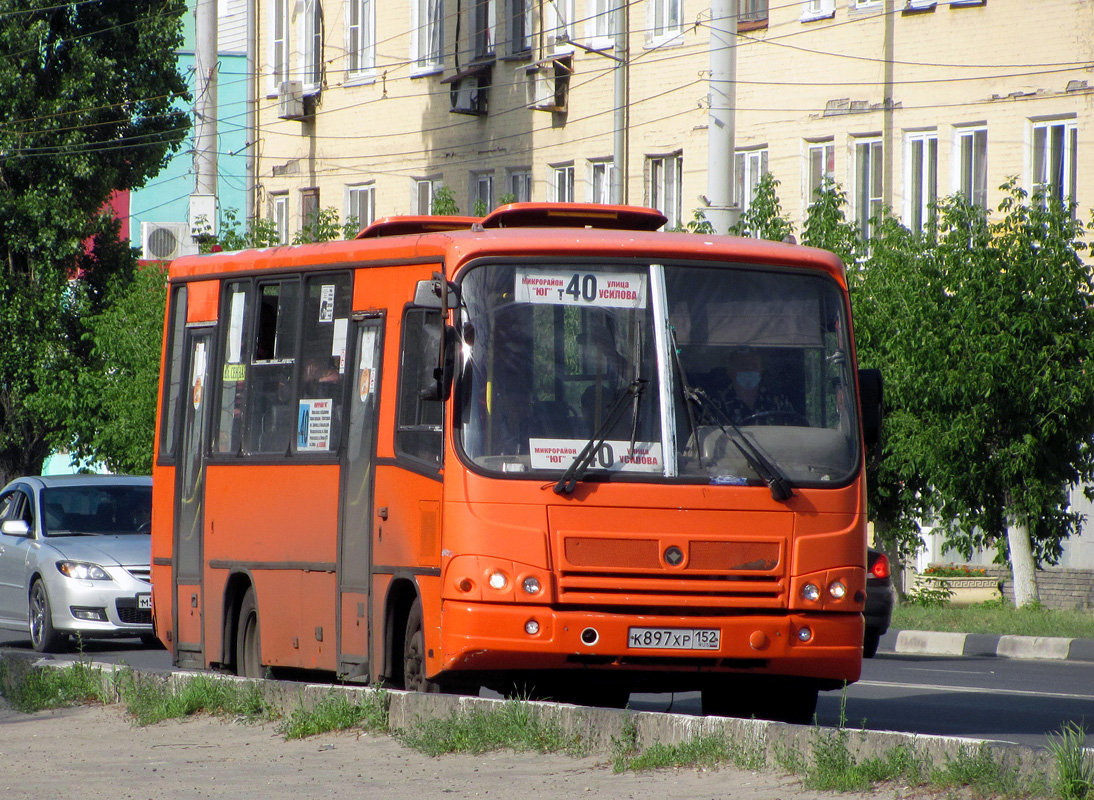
[(938, 643)]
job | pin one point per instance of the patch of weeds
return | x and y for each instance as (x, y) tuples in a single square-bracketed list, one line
[(700, 751), (976, 769), (625, 746), (789, 759), (337, 712), (514, 725), (39, 689), (1074, 776), (150, 700)]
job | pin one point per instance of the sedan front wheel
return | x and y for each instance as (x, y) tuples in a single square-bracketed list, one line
[(43, 636)]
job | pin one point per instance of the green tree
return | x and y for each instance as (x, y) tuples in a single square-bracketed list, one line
[(89, 92), (764, 218), (444, 202)]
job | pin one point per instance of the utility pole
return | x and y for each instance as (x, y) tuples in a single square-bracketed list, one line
[(619, 156), (203, 201), (722, 211)]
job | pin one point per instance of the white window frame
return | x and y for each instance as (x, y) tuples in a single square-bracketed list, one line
[(600, 24), (751, 11), (427, 38), (311, 38), (521, 25), (970, 164), (279, 44), (425, 189), (822, 155), (279, 212), (864, 5), (920, 178), (665, 187), (520, 184), (1065, 152), (921, 4), (748, 167), (869, 181), (484, 27), (361, 203), (360, 39), (660, 25), (481, 187), (559, 23), (562, 183), (817, 9), (600, 172)]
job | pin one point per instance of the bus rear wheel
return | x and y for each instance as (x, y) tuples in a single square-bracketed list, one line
[(248, 644)]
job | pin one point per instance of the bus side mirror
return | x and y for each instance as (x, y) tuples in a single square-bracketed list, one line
[(872, 399)]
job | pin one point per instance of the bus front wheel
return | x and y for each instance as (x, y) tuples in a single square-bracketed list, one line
[(414, 679), (248, 646), (781, 700)]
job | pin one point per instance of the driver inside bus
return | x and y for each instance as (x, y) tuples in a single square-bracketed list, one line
[(743, 397)]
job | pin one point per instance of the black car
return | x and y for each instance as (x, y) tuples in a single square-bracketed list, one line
[(879, 600)]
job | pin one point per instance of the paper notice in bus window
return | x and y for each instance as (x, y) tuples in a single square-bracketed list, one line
[(611, 456), (313, 426), (338, 346), (197, 388), (581, 288), (235, 328), (326, 303)]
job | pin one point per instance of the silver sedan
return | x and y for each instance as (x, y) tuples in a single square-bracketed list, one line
[(75, 558)]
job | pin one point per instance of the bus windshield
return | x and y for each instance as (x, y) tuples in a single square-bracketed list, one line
[(697, 372)]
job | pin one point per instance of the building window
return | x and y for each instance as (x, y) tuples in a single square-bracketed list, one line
[(817, 9), (665, 187), (279, 43), (520, 185), (427, 43), (972, 165), (425, 190), (600, 181), (559, 23), (279, 211), (821, 166), (361, 204), (360, 35), (520, 26), (749, 166), (600, 23), (309, 214), (313, 44), (920, 178), (869, 178), (665, 19), (752, 11), (865, 4), (482, 193), (562, 183), (483, 24), (1055, 167)]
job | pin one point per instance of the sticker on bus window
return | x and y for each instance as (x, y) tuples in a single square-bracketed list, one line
[(611, 456), (235, 327), (234, 373), (313, 426), (326, 303), (581, 288), (338, 346), (196, 388)]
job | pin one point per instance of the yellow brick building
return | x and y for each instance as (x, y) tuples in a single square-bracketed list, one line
[(369, 107)]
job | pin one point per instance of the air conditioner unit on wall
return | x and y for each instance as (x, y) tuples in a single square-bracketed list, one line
[(163, 241), (290, 100)]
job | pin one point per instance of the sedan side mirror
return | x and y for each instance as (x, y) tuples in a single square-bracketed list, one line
[(15, 527)]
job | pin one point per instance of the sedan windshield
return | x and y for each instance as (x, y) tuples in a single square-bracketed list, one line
[(713, 373), (92, 510)]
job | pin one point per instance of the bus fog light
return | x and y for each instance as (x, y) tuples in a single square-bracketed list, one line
[(811, 592), (531, 627), (531, 585), (838, 590), (465, 585), (498, 580), (805, 634)]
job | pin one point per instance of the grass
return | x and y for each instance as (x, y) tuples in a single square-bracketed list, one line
[(336, 712), (1074, 778), (998, 618), (150, 700), (31, 690)]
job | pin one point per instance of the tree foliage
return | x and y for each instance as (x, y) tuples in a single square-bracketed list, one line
[(88, 109)]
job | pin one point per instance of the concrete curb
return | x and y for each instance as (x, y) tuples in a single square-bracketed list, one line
[(940, 643), (599, 729)]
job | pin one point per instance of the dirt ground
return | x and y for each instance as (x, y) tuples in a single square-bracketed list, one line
[(95, 752)]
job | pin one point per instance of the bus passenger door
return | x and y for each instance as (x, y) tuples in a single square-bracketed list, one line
[(189, 513), (355, 536)]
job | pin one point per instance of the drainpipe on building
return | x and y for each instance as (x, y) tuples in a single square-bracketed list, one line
[(249, 120), (721, 210)]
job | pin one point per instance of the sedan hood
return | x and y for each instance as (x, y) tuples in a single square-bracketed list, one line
[(105, 550)]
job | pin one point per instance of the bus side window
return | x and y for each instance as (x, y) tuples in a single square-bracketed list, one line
[(271, 415), (418, 432), (323, 357), (235, 313), (173, 376)]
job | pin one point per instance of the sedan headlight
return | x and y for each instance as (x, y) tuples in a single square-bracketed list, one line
[(82, 571)]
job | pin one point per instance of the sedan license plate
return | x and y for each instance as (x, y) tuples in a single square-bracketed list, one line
[(144, 601), (674, 638)]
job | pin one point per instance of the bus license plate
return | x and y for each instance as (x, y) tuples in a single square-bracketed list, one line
[(144, 601), (674, 638)]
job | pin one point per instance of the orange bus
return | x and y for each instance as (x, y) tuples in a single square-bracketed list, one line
[(551, 450)]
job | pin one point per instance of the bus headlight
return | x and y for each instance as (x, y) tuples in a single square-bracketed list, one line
[(498, 580), (811, 592), (837, 589), (531, 585)]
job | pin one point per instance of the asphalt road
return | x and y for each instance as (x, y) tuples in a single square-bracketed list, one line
[(1001, 699)]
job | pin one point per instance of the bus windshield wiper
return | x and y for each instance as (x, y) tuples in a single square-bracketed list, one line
[(769, 472), (576, 471)]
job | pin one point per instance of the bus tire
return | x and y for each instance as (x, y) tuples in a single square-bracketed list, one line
[(414, 679), (248, 643)]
